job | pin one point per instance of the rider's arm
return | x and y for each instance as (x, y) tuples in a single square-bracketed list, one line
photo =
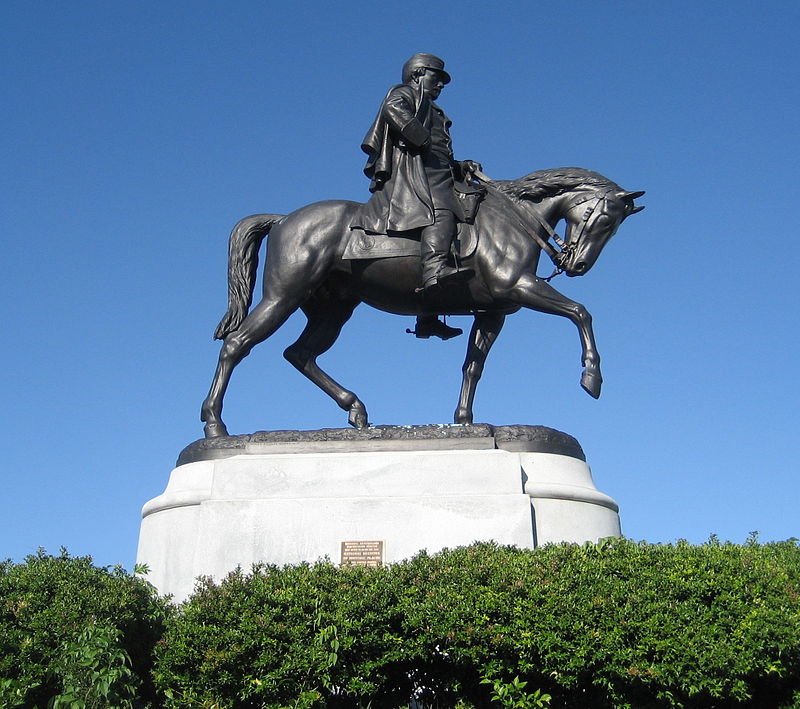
[(399, 110)]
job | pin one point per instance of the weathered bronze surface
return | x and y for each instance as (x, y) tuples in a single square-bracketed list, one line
[(475, 436), (306, 267), (416, 182)]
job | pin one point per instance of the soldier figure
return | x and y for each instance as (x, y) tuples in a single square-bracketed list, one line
[(413, 177)]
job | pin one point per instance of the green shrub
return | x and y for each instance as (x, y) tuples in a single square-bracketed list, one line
[(73, 634), (616, 624), (619, 624), (309, 635)]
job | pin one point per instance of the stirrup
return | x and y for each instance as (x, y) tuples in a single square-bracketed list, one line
[(445, 277)]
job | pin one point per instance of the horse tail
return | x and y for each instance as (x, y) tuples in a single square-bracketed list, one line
[(243, 246)]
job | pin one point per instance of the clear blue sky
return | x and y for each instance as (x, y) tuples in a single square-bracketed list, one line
[(136, 134)]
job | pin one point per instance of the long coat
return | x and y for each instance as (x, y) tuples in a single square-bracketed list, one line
[(401, 199)]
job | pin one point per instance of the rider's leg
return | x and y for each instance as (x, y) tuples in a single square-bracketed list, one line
[(434, 247), (435, 243)]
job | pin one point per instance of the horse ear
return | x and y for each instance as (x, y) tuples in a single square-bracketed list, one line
[(629, 197), (624, 194)]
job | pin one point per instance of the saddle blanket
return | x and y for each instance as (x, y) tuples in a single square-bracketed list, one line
[(366, 245)]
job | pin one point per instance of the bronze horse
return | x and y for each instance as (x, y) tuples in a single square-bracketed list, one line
[(305, 269)]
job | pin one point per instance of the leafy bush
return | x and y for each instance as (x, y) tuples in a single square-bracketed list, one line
[(620, 624), (94, 671), (616, 624), (73, 634), (298, 636)]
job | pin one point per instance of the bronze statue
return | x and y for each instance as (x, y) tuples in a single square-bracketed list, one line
[(328, 257), (413, 177)]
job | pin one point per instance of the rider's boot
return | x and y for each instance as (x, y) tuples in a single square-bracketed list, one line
[(430, 326), (434, 247)]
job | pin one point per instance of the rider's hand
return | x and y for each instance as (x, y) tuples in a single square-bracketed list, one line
[(470, 167)]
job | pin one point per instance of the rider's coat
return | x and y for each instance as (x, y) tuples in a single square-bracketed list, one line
[(410, 164)]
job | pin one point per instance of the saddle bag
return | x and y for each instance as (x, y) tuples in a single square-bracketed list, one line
[(469, 197)]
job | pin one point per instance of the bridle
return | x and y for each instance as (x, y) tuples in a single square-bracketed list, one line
[(588, 218), (558, 257)]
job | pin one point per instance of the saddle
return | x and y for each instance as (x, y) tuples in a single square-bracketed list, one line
[(370, 245), (367, 245)]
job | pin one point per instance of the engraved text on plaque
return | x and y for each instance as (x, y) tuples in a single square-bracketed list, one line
[(362, 553)]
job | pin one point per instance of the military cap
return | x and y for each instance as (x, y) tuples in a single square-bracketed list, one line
[(426, 61)]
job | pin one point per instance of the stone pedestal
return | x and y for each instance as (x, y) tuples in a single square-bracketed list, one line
[(288, 497)]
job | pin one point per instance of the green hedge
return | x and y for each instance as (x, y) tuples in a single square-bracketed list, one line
[(616, 624), (75, 635)]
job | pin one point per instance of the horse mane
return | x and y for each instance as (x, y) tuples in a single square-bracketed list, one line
[(553, 182)]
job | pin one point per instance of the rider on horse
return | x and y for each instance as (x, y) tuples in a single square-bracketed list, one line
[(416, 183)]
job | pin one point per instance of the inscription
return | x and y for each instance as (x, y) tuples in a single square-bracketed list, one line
[(362, 553)]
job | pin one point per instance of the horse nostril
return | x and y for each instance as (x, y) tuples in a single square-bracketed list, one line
[(580, 267)]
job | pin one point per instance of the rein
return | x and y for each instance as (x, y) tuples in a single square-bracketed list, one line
[(557, 257)]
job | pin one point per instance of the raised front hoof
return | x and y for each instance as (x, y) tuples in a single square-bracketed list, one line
[(462, 416), (357, 417), (215, 430), (591, 381)]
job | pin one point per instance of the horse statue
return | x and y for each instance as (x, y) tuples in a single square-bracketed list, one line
[(306, 268)]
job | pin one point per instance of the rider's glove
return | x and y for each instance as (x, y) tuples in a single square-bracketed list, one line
[(470, 167)]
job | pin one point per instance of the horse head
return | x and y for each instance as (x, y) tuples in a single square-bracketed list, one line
[(593, 217)]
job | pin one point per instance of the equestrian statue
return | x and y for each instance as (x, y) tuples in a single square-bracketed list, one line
[(437, 237)]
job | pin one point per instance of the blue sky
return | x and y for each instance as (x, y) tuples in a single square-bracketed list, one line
[(136, 134)]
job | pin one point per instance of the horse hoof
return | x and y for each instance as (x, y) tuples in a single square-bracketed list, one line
[(591, 381), (462, 417), (215, 430), (357, 417)]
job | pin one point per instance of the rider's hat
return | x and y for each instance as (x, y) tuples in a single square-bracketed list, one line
[(426, 61)]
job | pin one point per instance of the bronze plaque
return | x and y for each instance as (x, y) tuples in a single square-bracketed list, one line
[(362, 553)]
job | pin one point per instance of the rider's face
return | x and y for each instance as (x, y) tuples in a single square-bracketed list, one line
[(432, 83)]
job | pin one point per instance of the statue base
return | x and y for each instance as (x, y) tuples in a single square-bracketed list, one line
[(370, 496)]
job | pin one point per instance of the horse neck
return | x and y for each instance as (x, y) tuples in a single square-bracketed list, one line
[(550, 209)]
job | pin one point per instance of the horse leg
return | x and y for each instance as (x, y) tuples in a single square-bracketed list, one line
[(259, 324), (325, 321), (485, 330), (534, 293)]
